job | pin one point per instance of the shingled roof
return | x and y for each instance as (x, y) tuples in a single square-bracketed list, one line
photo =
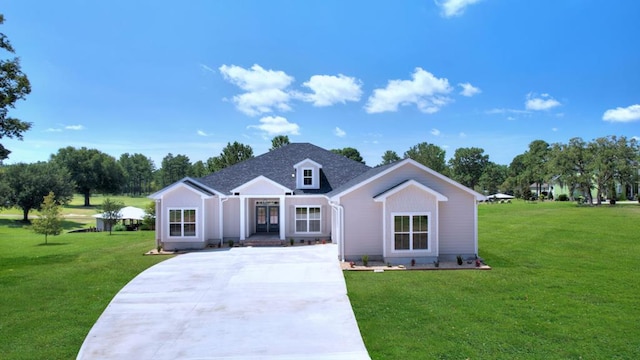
[(277, 165)]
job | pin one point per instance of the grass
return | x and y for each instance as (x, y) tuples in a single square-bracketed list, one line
[(564, 285), (76, 212), (52, 295)]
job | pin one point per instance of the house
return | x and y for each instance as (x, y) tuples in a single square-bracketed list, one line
[(395, 212), (130, 216)]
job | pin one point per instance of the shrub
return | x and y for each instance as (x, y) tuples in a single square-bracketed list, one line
[(119, 227), (365, 260), (563, 197), (459, 259), (230, 242)]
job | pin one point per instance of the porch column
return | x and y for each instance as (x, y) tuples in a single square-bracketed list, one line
[(243, 211), (283, 217)]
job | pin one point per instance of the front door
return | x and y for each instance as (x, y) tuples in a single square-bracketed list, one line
[(267, 218)]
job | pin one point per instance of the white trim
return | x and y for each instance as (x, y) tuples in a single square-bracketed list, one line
[(243, 217), (475, 228), (412, 251), (194, 238), (282, 218), (256, 180), (477, 195), (295, 219), (307, 160), (384, 230), (382, 197), (221, 218), (339, 227), (161, 193), (313, 177)]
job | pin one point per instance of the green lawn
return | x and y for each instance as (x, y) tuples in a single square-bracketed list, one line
[(53, 294), (77, 213), (564, 285)]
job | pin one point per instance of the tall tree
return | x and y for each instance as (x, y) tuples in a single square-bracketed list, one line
[(230, 155), (49, 220), (535, 161), (173, 169), (492, 178), (198, 169), (350, 153), (613, 160), (26, 186), (111, 212), (517, 181), (570, 165), (467, 165), (279, 141), (91, 170), (389, 157), (14, 86), (429, 155), (138, 173)]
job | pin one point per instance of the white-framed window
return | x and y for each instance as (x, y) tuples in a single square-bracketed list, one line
[(307, 177), (182, 222), (308, 219), (411, 231)]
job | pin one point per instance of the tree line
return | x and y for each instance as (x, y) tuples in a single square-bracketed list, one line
[(582, 166)]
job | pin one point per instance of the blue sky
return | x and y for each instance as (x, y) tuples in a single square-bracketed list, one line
[(155, 77)]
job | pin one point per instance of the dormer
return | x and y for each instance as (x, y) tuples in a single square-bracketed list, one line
[(307, 173)]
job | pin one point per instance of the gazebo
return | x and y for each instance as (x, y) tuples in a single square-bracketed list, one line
[(130, 216)]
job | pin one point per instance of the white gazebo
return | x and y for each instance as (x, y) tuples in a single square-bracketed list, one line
[(130, 216)]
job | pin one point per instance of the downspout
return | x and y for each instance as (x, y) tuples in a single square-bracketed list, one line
[(221, 217), (158, 221), (340, 218)]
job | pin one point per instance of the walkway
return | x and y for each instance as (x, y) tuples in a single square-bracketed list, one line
[(245, 303)]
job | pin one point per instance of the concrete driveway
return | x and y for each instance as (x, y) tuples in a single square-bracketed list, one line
[(244, 303)]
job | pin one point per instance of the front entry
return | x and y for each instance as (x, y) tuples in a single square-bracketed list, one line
[(268, 218)]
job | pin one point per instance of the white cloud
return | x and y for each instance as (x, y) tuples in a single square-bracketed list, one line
[(276, 125), (554, 129), (469, 90), (74, 127), (202, 133), (435, 132), (329, 90), (542, 102), (53, 130), (462, 135), (426, 91), (510, 118), (265, 89), (619, 114), (339, 132), (452, 8), (206, 68), (507, 111)]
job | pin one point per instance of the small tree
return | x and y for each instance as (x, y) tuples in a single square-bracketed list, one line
[(49, 220), (149, 220), (111, 212)]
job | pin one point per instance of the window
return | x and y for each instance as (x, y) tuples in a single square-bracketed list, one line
[(182, 222), (411, 232), (307, 177), (308, 219)]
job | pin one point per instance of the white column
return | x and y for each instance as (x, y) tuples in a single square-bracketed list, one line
[(282, 219), (243, 206)]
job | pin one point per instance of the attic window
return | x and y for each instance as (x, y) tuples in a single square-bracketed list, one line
[(307, 177)]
